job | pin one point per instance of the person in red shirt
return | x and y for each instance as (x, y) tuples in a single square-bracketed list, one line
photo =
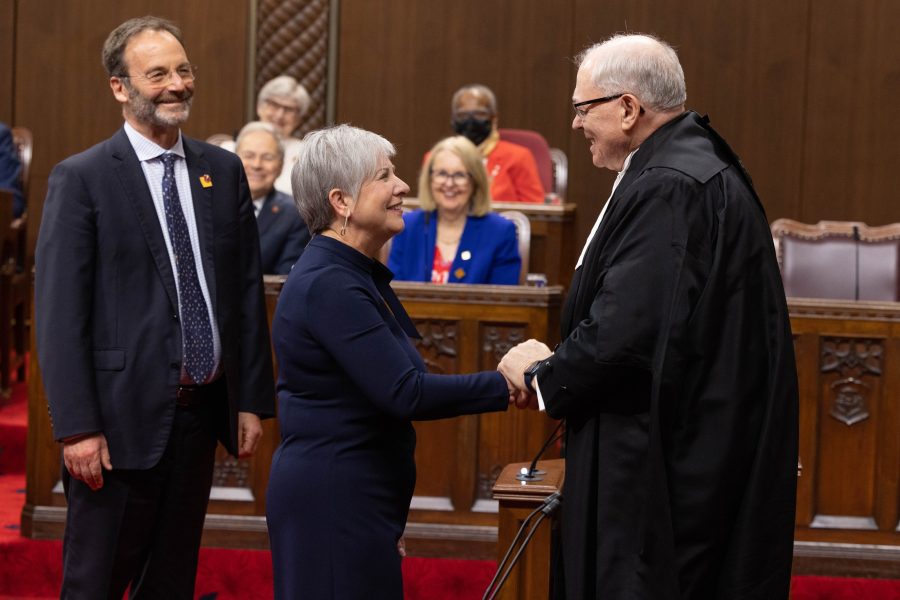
[(511, 168)]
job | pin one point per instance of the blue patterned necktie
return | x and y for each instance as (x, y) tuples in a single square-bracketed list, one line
[(195, 326)]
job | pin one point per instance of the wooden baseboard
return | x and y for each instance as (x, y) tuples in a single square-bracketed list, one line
[(480, 542), (846, 560)]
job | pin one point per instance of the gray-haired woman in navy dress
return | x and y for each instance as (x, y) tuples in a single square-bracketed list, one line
[(350, 382)]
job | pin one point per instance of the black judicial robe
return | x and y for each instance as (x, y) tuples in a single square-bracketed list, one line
[(677, 381)]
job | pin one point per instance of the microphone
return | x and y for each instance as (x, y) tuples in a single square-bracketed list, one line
[(856, 271), (532, 473), (547, 508)]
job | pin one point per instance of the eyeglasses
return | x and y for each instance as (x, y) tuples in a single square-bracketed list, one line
[(442, 177), (160, 77), (286, 108), (267, 158), (582, 112)]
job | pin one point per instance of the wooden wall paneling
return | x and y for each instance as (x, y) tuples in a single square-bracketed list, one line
[(744, 64), (62, 90), (400, 62), (887, 462), (850, 171), (7, 60), (292, 40)]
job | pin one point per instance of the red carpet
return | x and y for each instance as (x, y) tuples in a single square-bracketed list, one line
[(31, 569)]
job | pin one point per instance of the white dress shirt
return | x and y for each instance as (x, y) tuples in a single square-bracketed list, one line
[(590, 238), (148, 152)]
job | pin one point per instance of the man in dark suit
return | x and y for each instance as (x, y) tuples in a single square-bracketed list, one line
[(282, 233), (10, 170), (676, 372), (151, 327)]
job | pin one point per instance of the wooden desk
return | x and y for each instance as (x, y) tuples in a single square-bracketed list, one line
[(465, 329), (848, 495), (553, 244)]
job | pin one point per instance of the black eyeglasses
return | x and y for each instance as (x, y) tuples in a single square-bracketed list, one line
[(160, 77), (582, 112)]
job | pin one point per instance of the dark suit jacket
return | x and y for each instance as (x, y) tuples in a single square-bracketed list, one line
[(488, 251), (282, 233), (106, 309), (10, 168)]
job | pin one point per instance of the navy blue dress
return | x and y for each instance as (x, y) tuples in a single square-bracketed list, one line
[(349, 384)]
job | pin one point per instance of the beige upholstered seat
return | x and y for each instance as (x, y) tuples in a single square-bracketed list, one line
[(842, 260)]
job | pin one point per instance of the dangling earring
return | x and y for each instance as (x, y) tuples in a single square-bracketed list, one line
[(344, 228)]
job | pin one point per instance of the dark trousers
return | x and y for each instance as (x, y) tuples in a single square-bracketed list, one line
[(143, 527)]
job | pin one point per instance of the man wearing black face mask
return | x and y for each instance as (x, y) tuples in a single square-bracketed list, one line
[(511, 168)]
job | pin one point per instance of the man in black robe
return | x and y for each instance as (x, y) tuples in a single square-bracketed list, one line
[(676, 372)]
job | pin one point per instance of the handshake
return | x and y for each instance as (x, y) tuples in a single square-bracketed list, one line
[(513, 367)]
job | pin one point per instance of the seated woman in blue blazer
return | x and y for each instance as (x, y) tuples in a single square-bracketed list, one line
[(454, 237)]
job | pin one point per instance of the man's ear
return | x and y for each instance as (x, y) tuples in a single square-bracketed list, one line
[(632, 110), (118, 89)]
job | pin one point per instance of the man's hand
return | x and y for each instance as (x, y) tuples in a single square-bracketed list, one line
[(513, 365), (249, 434), (84, 456)]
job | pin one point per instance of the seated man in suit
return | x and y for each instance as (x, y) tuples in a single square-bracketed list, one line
[(282, 233), (10, 168), (511, 168)]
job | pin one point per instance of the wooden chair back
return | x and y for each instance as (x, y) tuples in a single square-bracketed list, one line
[(844, 260), (523, 233)]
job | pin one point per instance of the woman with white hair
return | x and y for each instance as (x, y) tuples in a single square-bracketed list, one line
[(350, 382), (282, 102)]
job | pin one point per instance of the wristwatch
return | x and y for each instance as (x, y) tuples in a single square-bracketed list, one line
[(530, 372)]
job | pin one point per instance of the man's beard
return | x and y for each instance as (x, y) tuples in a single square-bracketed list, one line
[(147, 110)]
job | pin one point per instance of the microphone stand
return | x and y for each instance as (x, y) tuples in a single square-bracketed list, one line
[(547, 507), (856, 270), (533, 473)]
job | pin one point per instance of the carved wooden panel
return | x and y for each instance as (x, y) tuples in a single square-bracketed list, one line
[(439, 348), (848, 364), (503, 437), (229, 471), (850, 382), (438, 345), (851, 359)]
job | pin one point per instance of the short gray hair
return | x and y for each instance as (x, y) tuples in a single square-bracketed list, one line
[(114, 46), (254, 126), (285, 86), (479, 90), (340, 157), (639, 64)]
